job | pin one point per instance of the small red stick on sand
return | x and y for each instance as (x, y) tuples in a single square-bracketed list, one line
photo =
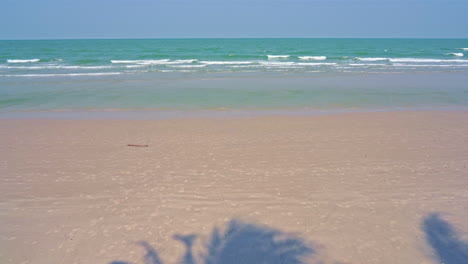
[(135, 145)]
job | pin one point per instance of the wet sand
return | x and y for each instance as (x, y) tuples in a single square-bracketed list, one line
[(358, 186)]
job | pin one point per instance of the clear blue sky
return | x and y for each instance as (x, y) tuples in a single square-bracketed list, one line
[(59, 19)]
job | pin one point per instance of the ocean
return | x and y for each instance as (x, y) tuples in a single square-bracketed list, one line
[(229, 75)]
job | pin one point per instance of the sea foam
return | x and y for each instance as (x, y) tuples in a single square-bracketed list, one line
[(189, 66), (457, 54), (429, 65), (54, 67), (275, 57), (153, 62), (139, 61), (423, 60), (314, 63), (23, 61), (366, 64), (372, 59), (276, 63), (312, 57), (227, 62), (63, 74)]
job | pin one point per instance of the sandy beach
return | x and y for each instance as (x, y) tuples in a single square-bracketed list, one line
[(359, 187)]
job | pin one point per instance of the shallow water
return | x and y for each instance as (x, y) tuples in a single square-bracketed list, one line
[(233, 74)]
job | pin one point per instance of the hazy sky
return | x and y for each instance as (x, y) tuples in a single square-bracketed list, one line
[(45, 19)]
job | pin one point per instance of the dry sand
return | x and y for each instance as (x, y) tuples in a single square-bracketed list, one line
[(357, 186)]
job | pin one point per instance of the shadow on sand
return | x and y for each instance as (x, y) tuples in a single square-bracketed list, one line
[(444, 240), (240, 242)]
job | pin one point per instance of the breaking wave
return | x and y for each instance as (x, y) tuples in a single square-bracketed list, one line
[(312, 57), (189, 66), (153, 62), (315, 63), (23, 61), (372, 59), (227, 62), (410, 60), (276, 57), (457, 54), (423, 60)]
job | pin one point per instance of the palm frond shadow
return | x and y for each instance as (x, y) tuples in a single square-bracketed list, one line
[(444, 240), (240, 242), (249, 243)]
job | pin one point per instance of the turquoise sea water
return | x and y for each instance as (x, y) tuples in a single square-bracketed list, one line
[(238, 74)]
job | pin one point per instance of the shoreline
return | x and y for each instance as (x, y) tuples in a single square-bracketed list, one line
[(360, 187), (158, 114)]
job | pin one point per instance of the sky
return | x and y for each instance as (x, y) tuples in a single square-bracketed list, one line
[(103, 19)]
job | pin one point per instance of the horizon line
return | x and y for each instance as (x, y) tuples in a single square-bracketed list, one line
[(168, 38)]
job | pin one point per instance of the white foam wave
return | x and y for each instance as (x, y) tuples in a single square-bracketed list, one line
[(457, 54), (312, 57), (125, 61), (84, 67), (242, 66), (464, 48), (54, 67), (423, 60), (293, 64), (145, 62), (23, 61), (227, 62), (186, 61), (135, 66), (314, 64), (63, 74), (275, 57), (153, 62), (366, 64), (189, 66), (430, 65), (372, 59)]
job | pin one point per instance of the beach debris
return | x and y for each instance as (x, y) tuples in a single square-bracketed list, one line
[(136, 145)]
